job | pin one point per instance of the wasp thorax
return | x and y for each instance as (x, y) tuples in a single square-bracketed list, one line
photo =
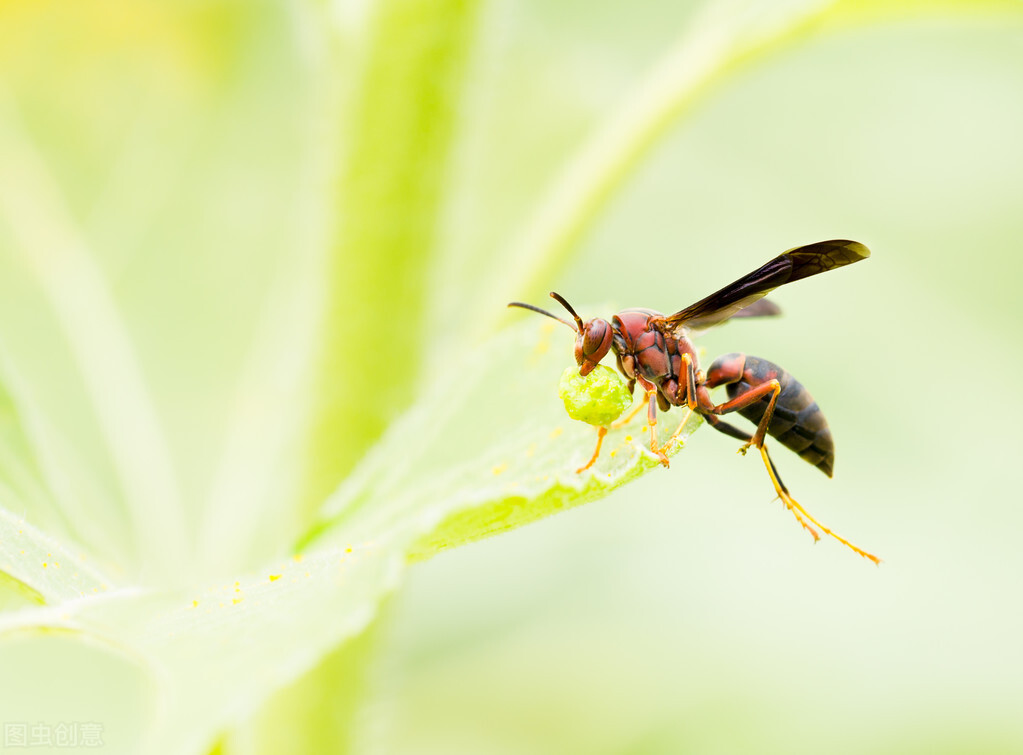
[(592, 345)]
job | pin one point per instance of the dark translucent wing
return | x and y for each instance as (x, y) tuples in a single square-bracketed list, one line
[(795, 264), (759, 308)]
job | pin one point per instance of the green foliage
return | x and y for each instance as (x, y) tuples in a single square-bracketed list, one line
[(221, 439)]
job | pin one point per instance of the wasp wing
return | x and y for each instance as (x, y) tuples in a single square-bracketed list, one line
[(795, 264), (759, 308)]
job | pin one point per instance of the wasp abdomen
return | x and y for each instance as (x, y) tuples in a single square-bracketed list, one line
[(798, 423)]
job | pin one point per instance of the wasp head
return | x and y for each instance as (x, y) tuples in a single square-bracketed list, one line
[(593, 339), (592, 344)]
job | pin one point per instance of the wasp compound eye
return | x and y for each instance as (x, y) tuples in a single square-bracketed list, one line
[(593, 344)]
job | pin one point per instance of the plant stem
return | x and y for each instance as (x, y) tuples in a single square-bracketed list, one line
[(390, 193)]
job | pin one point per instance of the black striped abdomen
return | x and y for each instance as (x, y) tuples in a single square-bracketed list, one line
[(798, 423)]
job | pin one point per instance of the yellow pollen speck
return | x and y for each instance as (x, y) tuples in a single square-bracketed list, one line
[(614, 451), (307, 574), (297, 557), (628, 438), (274, 577), (348, 549), (499, 468), (236, 601), (195, 604), (556, 432), (44, 564)]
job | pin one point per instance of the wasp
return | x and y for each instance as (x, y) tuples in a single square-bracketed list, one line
[(656, 352)]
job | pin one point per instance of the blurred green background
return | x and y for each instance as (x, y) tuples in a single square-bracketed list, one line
[(687, 612)]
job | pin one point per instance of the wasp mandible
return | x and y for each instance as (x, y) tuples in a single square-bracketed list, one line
[(656, 352)]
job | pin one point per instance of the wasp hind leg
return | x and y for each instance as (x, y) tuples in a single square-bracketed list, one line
[(802, 515), (750, 397)]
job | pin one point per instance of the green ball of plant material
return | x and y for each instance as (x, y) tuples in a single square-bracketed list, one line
[(598, 399)]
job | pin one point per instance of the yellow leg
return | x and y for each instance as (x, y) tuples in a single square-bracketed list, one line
[(678, 431), (802, 515), (658, 451), (601, 432)]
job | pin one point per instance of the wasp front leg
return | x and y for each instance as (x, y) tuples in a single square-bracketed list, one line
[(601, 432)]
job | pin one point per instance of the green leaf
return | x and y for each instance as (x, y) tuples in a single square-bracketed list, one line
[(491, 451), (42, 569), (218, 651)]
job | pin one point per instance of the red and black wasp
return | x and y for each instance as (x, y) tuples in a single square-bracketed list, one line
[(656, 352)]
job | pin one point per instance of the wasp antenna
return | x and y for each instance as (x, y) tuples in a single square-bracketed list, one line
[(561, 300), (531, 308)]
